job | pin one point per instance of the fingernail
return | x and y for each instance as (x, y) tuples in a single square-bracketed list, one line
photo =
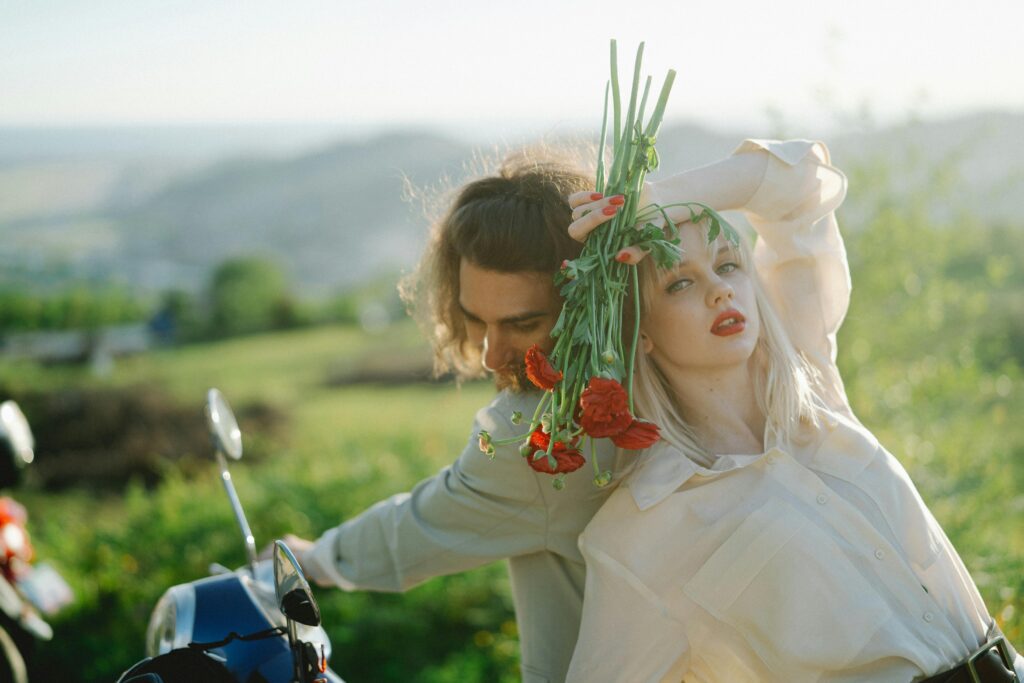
[(594, 196), (609, 210), (617, 200), (622, 256)]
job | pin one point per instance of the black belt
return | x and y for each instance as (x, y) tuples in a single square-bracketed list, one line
[(990, 663)]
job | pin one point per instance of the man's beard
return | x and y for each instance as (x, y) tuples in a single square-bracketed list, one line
[(513, 378)]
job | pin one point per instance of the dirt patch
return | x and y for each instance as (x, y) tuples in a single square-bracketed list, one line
[(102, 438)]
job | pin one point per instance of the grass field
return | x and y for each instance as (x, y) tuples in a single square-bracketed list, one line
[(342, 450)]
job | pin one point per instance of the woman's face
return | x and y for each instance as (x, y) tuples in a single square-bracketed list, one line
[(701, 315)]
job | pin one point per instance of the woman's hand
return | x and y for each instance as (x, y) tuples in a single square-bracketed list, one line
[(593, 209)]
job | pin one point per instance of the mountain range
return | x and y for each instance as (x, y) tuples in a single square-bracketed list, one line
[(333, 214)]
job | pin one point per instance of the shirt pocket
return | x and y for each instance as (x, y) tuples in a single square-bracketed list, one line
[(789, 591)]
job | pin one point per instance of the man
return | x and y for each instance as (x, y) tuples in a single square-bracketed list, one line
[(485, 288)]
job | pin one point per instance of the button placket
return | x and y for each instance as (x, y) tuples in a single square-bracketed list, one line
[(849, 523)]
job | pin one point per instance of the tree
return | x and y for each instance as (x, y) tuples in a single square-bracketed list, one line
[(246, 294)]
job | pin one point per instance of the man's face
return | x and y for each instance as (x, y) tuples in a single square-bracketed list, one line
[(507, 313)]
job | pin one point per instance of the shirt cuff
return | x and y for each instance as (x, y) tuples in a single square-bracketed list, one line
[(321, 563), (790, 151), (799, 182)]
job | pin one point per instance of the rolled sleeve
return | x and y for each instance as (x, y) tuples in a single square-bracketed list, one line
[(799, 256), (473, 512)]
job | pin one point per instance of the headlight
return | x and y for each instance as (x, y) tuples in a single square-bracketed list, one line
[(170, 626)]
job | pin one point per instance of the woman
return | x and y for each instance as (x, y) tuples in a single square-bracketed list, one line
[(768, 536)]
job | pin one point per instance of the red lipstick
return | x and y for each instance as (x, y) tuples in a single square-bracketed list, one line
[(729, 323)]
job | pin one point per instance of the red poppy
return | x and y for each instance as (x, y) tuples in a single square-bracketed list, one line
[(605, 408), (567, 459), (639, 434), (539, 369)]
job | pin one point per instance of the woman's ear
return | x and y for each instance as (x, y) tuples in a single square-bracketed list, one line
[(645, 342)]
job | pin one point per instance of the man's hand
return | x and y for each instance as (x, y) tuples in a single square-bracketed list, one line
[(298, 546)]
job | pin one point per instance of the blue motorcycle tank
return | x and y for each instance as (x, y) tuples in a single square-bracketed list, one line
[(224, 605)]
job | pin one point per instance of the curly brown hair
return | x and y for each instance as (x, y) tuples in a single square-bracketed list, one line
[(511, 221)]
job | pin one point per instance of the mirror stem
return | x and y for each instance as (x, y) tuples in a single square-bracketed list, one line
[(236, 505)]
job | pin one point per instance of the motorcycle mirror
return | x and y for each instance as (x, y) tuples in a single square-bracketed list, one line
[(223, 426), (14, 428), (294, 596)]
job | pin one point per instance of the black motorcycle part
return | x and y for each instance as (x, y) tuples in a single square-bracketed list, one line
[(300, 606), (275, 632), (179, 666)]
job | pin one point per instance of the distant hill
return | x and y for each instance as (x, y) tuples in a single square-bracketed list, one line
[(335, 214)]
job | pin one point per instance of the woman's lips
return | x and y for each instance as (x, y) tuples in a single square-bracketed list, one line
[(728, 323)]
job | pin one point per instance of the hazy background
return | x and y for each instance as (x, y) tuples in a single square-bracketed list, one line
[(199, 194), (142, 142)]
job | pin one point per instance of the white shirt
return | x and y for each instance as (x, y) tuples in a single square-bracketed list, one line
[(816, 560)]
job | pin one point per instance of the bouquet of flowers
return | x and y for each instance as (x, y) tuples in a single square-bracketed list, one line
[(587, 378)]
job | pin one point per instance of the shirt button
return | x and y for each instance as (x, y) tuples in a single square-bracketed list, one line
[(879, 554), (822, 499), (928, 617)]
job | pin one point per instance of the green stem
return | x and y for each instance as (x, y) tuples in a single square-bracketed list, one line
[(602, 140), (616, 103), (535, 420), (636, 335), (659, 109)]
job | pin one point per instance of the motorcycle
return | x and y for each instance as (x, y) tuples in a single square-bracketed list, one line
[(27, 591), (258, 623)]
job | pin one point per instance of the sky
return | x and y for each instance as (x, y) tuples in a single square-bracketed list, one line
[(508, 66)]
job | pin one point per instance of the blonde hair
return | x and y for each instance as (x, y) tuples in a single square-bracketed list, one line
[(783, 383)]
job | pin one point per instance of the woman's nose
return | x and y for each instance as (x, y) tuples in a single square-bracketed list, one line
[(719, 291)]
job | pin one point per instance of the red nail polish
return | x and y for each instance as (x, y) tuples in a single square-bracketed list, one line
[(622, 256), (617, 200), (594, 196), (609, 210)]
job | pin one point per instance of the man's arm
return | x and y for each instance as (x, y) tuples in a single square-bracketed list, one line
[(476, 511)]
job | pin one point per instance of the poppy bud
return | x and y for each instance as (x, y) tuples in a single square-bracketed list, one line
[(558, 483), (484, 442), (517, 417), (603, 479)]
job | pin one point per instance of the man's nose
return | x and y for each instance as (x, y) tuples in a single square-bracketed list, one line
[(497, 353)]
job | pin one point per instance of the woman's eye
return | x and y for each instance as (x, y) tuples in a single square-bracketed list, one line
[(528, 327), (678, 285), (728, 267)]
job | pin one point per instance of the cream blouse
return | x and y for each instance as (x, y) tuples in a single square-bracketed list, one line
[(816, 560)]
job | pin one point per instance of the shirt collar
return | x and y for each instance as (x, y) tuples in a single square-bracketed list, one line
[(665, 468)]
